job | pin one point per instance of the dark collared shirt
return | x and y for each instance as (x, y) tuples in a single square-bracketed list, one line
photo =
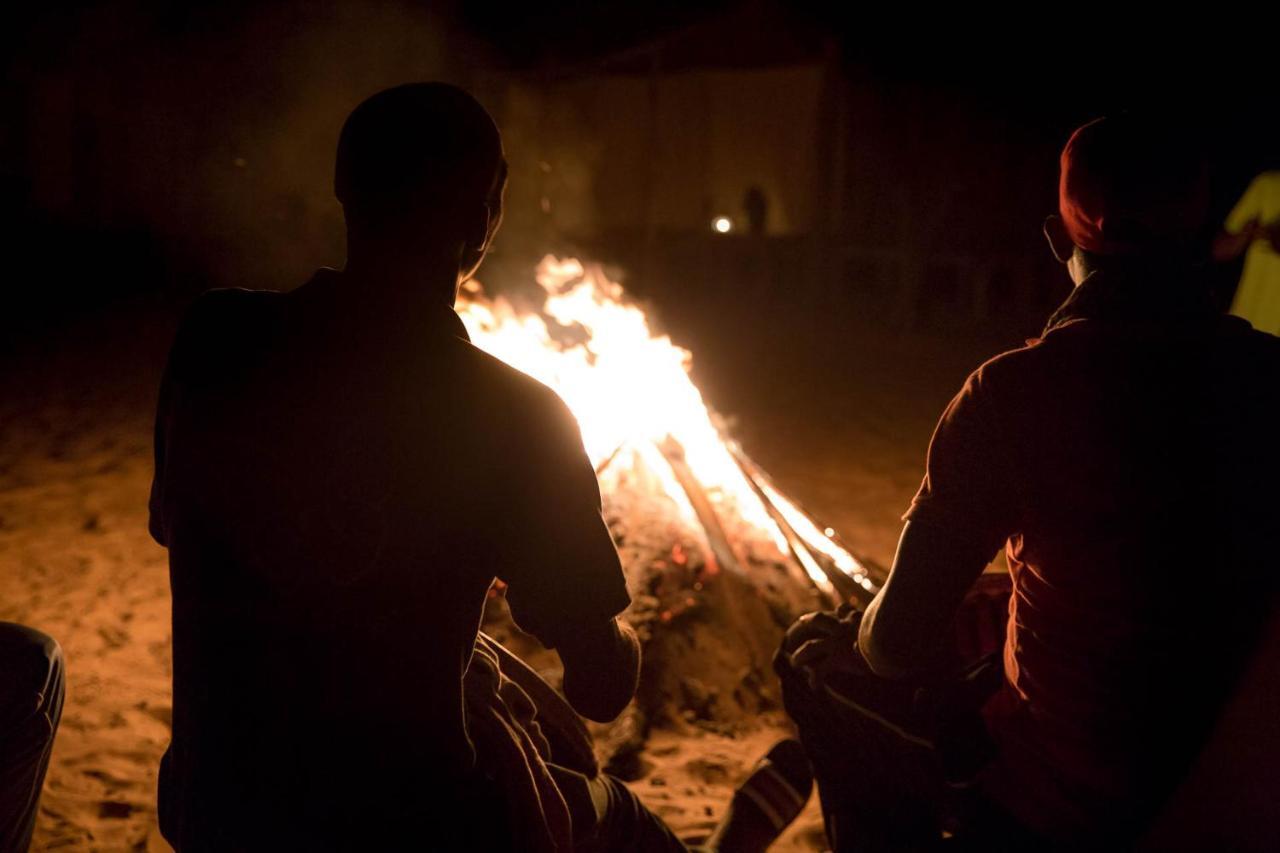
[(1127, 460), (336, 503)]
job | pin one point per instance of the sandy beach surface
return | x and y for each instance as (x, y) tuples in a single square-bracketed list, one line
[(76, 562)]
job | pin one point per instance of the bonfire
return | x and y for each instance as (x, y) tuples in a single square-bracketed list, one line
[(718, 559)]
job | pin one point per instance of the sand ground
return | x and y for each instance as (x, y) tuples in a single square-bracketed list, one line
[(76, 560)]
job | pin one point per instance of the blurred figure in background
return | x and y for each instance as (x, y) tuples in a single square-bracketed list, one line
[(1253, 228), (755, 207), (1123, 461)]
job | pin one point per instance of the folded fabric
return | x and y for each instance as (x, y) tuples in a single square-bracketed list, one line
[(512, 751)]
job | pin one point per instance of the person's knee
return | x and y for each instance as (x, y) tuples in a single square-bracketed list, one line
[(35, 665)]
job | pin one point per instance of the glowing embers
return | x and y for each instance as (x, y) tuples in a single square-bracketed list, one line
[(631, 393)]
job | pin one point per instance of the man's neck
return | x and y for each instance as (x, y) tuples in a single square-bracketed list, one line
[(401, 287)]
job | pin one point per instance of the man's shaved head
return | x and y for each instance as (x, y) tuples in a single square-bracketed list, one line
[(418, 151)]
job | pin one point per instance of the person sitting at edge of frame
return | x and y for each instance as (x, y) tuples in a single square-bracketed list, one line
[(340, 477), (1123, 460), (32, 690)]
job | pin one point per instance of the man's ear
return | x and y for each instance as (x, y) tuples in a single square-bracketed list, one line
[(476, 237), (1060, 243), (478, 233)]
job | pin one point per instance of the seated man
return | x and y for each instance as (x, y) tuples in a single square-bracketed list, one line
[(1117, 459), (340, 477), (31, 694)]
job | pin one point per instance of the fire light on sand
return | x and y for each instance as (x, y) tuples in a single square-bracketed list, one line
[(640, 412)]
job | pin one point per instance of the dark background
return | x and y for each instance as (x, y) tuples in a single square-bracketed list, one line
[(160, 148), (151, 150)]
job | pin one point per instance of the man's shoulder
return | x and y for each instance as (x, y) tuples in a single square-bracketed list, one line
[(220, 321), (214, 311), (1014, 367), (1077, 348), (1252, 339), (513, 392), (517, 384), (234, 298), (1251, 352)]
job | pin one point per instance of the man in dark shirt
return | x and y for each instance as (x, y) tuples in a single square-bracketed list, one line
[(1119, 460), (340, 476)]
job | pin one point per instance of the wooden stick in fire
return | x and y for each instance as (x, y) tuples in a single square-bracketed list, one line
[(721, 551), (842, 586), (848, 588), (608, 460)]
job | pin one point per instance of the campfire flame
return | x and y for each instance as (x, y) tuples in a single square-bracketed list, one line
[(631, 393)]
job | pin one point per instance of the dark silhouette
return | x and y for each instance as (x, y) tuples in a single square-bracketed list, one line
[(755, 205), (340, 476), (1124, 460), (32, 687)]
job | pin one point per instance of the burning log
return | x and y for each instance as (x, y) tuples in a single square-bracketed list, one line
[(853, 587), (805, 561), (721, 551)]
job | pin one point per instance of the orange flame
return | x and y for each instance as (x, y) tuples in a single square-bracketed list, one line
[(630, 389)]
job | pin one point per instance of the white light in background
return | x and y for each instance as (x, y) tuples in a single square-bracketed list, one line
[(722, 224)]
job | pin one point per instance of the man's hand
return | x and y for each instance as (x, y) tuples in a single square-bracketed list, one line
[(823, 649), (824, 643)]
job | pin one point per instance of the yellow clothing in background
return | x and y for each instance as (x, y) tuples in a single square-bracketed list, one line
[(1258, 296)]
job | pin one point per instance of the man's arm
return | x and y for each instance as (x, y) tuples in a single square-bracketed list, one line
[(565, 583), (964, 511), (601, 669), (1228, 245), (170, 383), (906, 631), (155, 504), (188, 351)]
